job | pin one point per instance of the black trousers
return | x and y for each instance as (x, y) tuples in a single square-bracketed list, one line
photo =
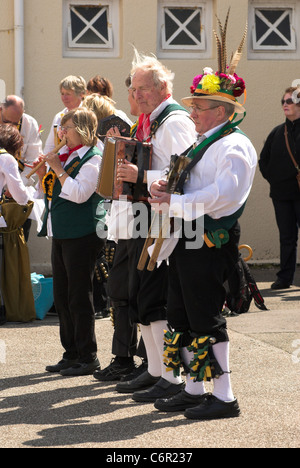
[(196, 288), (287, 214), (147, 289), (125, 332), (73, 264)]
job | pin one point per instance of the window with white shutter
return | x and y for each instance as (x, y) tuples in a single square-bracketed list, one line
[(273, 29), (91, 28), (184, 29)]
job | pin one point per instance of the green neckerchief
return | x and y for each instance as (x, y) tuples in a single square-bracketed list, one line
[(226, 130)]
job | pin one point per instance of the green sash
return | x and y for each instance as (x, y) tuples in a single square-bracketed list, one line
[(226, 130), (159, 120)]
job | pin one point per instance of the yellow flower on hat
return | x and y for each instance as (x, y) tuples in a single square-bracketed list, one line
[(211, 83)]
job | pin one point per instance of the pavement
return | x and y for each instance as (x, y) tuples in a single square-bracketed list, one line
[(40, 410)]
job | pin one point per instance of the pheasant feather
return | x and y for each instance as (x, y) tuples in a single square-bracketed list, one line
[(238, 54)]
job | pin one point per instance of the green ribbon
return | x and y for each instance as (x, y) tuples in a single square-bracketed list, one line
[(222, 132), (219, 237)]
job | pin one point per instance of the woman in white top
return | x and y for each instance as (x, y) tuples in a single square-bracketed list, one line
[(74, 217)]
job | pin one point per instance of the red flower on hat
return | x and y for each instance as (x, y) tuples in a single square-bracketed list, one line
[(196, 81), (239, 87)]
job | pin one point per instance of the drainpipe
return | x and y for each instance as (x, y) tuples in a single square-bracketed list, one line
[(19, 47)]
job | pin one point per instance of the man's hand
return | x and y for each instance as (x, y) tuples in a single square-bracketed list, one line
[(160, 199), (113, 132), (127, 172)]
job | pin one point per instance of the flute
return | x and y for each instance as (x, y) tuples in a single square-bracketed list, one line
[(56, 150)]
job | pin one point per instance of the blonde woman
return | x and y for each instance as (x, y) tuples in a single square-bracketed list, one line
[(73, 214), (104, 107)]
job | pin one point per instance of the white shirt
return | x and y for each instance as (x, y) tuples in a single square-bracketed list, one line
[(80, 189), (221, 181), (31, 151), (10, 178), (174, 136), (32, 142)]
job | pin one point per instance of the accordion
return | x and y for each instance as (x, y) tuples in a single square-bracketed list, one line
[(116, 150)]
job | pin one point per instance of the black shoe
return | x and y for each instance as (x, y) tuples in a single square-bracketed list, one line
[(213, 408), (115, 371), (162, 389), (136, 372), (141, 382), (61, 365), (81, 368), (179, 402), (280, 284)]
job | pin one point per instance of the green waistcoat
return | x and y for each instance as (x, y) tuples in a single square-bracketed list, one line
[(73, 220)]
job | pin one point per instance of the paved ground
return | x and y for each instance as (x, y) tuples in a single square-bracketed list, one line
[(48, 411)]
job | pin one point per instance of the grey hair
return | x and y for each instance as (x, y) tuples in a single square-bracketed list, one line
[(161, 74), (229, 108), (74, 83)]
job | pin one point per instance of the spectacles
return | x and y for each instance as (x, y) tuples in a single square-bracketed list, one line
[(288, 101), (65, 129), (198, 110)]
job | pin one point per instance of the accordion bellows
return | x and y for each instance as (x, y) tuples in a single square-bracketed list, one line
[(117, 149)]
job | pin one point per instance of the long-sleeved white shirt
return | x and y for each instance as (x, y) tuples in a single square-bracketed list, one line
[(10, 178), (32, 147), (80, 189)]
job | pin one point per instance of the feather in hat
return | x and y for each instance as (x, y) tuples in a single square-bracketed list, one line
[(225, 84)]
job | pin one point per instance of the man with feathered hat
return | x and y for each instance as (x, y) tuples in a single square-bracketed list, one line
[(221, 173)]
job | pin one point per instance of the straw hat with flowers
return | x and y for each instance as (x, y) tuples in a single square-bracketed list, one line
[(224, 85)]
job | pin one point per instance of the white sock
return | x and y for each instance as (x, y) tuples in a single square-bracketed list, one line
[(222, 386), (153, 358), (191, 387), (158, 331)]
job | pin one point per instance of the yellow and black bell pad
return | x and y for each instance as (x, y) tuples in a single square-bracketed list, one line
[(204, 366), (172, 358)]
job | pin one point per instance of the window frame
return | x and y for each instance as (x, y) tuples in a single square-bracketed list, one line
[(165, 51), (273, 52), (110, 48)]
